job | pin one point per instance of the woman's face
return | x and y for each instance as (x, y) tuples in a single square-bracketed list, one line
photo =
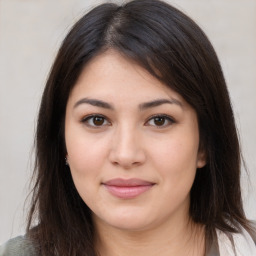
[(132, 145)]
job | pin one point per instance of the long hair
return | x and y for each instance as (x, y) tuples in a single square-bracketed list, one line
[(170, 46)]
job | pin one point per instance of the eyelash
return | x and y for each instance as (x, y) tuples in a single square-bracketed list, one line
[(165, 117), (88, 118)]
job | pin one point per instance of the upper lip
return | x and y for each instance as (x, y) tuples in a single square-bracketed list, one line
[(128, 182)]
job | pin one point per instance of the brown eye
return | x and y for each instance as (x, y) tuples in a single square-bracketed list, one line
[(95, 121), (160, 121), (98, 120)]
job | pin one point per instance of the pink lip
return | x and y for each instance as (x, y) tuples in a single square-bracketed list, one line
[(127, 188)]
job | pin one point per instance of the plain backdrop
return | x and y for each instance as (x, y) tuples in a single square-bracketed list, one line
[(30, 34)]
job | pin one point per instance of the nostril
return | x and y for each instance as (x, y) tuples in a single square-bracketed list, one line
[(126, 150)]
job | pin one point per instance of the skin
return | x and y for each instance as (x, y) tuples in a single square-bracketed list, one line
[(129, 141)]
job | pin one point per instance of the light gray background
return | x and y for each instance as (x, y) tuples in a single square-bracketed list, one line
[(30, 33)]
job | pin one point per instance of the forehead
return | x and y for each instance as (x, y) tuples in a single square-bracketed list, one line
[(111, 76)]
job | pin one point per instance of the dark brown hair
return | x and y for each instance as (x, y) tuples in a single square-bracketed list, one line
[(174, 49)]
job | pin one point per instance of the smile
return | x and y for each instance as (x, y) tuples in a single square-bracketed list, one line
[(127, 189)]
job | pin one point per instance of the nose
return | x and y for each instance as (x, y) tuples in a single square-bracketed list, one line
[(127, 148)]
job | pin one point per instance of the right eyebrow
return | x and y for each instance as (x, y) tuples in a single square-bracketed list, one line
[(159, 102), (94, 102)]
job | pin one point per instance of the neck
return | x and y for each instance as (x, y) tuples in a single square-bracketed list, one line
[(172, 239)]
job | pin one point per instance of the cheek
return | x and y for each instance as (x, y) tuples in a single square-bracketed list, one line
[(176, 162), (177, 155), (85, 162), (85, 153), (83, 156)]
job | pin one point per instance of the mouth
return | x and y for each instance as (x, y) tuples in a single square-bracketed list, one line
[(127, 188)]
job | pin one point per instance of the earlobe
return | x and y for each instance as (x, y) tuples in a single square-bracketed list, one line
[(66, 160), (201, 159)]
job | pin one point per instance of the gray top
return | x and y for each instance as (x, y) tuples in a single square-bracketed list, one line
[(21, 246)]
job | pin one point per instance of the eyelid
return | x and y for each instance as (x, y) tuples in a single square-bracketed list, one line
[(85, 119), (170, 119)]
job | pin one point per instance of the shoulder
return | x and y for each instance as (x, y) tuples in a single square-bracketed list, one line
[(243, 243), (19, 246), (253, 224)]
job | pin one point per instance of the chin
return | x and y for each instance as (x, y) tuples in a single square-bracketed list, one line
[(127, 220), (130, 225)]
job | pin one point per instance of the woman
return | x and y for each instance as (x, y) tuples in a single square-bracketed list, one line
[(136, 145)]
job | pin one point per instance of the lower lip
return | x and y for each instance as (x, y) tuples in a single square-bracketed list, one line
[(127, 192)]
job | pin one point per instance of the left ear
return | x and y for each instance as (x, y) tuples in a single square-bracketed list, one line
[(201, 159), (66, 160)]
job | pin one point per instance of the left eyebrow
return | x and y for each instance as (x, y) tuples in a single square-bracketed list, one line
[(94, 102), (142, 106), (158, 102)]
